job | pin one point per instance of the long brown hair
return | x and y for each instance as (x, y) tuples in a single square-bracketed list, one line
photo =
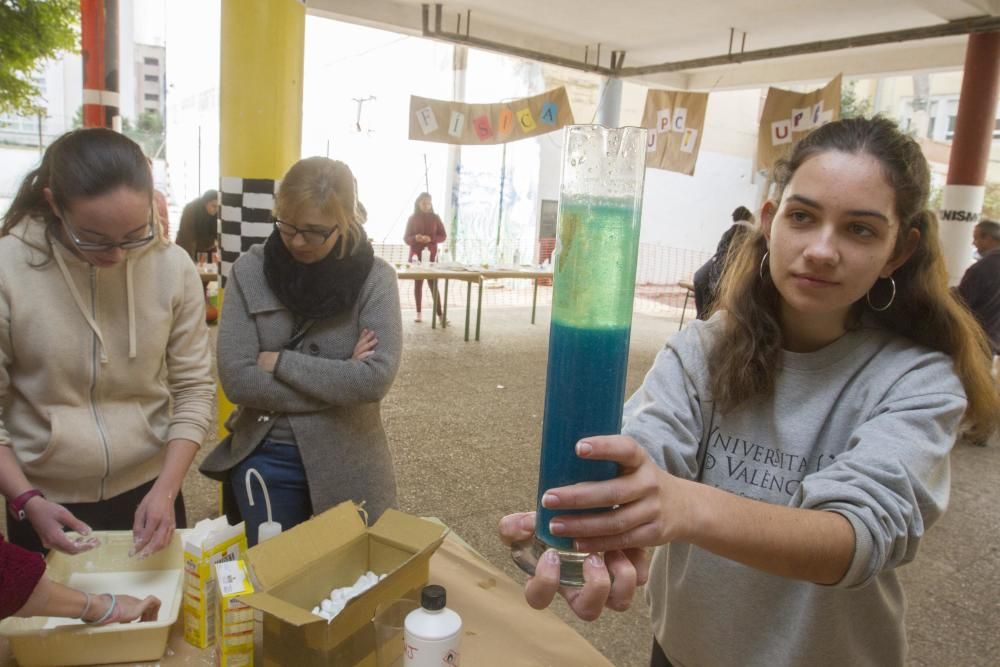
[(79, 164), (924, 309), (328, 185)]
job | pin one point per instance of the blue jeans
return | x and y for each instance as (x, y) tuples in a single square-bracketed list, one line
[(281, 467)]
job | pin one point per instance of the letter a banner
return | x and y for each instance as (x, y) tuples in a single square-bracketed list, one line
[(676, 121), (484, 124), (788, 116)]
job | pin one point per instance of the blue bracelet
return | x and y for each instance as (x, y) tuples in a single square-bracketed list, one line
[(107, 614)]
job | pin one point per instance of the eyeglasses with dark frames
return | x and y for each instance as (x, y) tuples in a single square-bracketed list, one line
[(312, 237), (91, 246)]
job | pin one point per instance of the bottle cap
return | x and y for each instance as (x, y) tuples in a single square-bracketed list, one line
[(433, 597)]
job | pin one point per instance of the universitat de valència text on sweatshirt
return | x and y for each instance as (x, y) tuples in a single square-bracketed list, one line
[(91, 361), (862, 427)]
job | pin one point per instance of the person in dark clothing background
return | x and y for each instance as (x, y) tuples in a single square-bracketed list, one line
[(706, 279), (198, 229), (980, 286)]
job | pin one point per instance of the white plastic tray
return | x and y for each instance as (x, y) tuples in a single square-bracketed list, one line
[(42, 641)]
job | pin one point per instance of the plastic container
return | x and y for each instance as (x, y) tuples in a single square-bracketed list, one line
[(46, 641), (432, 633)]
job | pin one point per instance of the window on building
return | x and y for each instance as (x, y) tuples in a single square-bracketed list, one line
[(152, 77), (151, 61), (932, 112), (151, 97)]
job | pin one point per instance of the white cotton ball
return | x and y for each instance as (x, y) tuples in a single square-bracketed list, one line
[(327, 615), (316, 611), (326, 605)]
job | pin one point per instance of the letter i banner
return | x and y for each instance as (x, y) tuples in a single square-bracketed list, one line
[(788, 116), (676, 121), (484, 124)]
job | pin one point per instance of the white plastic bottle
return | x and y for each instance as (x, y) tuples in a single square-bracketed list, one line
[(432, 633)]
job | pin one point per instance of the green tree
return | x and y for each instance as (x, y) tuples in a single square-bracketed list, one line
[(32, 31), (991, 201), (851, 106), (147, 131)]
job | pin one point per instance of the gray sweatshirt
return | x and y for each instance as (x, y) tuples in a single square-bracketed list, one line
[(862, 427)]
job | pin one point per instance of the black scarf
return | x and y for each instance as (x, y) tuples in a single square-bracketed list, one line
[(322, 289)]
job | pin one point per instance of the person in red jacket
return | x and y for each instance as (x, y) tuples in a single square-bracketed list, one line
[(26, 591), (424, 230)]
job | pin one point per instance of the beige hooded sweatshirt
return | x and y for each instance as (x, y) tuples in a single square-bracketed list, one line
[(90, 360)]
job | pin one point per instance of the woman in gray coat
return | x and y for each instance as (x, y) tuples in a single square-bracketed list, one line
[(309, 344)]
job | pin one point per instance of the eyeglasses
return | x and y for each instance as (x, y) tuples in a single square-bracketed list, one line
[(90, 246), (310, 236)]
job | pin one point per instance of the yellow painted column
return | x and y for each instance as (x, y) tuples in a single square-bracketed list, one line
[(260, 106)]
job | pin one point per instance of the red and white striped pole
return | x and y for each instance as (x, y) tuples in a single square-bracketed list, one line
[(99, 47), (962, 202)]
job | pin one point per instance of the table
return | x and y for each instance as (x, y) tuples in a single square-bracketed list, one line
[(470, 275), (499, 628), (429, 273), (524, 273)]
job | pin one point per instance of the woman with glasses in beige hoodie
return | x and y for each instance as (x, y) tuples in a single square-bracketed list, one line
[(106, 390)]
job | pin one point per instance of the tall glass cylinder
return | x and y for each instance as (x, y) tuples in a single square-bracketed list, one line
[(600, 206)]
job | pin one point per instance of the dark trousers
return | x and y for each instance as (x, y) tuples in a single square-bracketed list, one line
[(418, 285), (116, 513), (658, 659)]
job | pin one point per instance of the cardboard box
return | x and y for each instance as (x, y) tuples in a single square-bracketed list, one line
[(298, 568), (107, 569), (234, 622), (210, 542)]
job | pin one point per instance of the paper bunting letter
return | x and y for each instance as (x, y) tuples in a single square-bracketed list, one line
[(428, 122), (800, 119), (688, 143), (525, 120), (663, 120), (781, 132), (550, 112), (506, 121), (457, 124), (680, 119), (481, 124), (651, 142)]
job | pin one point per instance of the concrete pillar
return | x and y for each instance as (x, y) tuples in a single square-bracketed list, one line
[(963, 195), (260, 124), (609, 103), (452, 181)]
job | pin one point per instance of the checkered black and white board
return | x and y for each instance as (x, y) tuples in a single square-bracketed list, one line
[(246, 206)]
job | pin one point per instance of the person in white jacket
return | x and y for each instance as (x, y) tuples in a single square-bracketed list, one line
[(786, 456), (106, 391)]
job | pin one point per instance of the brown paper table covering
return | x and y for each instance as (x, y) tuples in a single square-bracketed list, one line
[(500, 629)]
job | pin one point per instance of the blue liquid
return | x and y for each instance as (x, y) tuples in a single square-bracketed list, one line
[(584, 394)]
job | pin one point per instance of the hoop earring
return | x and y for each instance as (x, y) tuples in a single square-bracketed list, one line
[(868, 297), (763, 260)]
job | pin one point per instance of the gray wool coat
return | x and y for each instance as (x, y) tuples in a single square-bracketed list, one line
[(331, 401)]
